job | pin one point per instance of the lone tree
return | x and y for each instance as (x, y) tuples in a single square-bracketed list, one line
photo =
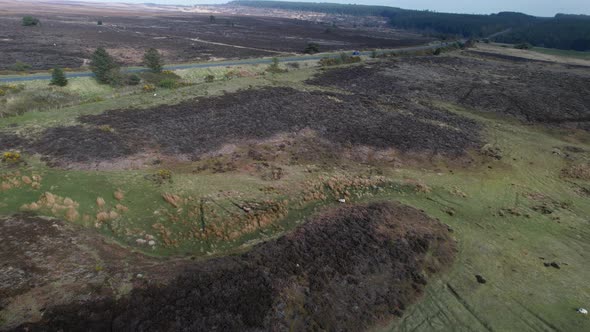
[(312, 48), (30, 21), (153, 60), (102, 65), (58, 77)]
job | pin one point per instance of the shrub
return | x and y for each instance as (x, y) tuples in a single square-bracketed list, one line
[(311, 48), (115, 78), (106, 128), (133, 79), (343, 58), (103, 66), (11, 157), (58, 77), (438, 51), (20, 66), (153, 60), (11, 89), (274, 67), (295, 65), (327, 61), (374, 54), (161, 176), (155, 78), (149, 88), (167, 83), (38, 100), (29, 21), (209, 78), (99, 22), (523, 46)]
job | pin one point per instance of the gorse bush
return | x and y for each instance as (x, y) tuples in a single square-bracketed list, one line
[(11, 157), (343, 58), (148, 88)]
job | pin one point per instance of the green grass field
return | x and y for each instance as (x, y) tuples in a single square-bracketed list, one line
[(493, 208)]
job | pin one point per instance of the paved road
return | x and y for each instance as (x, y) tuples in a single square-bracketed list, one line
[(220, 63)]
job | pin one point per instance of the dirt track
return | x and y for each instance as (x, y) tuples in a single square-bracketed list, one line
[(344, 270)]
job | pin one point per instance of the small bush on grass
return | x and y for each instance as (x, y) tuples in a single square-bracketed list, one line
[(160, 177), (20, 66), (312, 48), (274, 67), (58, 77), (209, 78), (12, 88), (523, 46), (342, 59), (29, 21), (11, 157), (133, 79), (168, 83), (149, 88), (155, 78), (39, 100), (115, 78)]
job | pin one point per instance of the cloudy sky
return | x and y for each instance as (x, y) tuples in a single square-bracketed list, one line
[(533, 7)]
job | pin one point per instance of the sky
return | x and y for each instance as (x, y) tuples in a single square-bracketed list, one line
[(532, 7)]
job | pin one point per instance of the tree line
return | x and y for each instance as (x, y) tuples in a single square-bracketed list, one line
[(564, 31)]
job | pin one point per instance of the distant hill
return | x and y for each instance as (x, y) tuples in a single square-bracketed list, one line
[(564, 31), (329, 8)]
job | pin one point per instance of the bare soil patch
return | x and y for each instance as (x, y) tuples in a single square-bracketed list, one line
[(53, 263), (344, 270), (10, 141), (199, 126), (530, 91)]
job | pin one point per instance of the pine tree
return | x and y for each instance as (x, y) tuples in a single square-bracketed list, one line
[(153, 60), (102, 65), (58, 77)]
